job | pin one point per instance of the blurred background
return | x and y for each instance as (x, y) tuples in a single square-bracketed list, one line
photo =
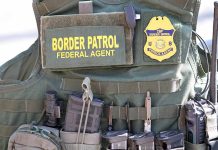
[(18, 28)]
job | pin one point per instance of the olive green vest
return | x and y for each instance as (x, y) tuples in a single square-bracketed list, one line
[(122, 77)]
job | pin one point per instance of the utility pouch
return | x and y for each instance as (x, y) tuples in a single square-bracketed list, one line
[(201, 121), (83, 113), (195, 123), (73, 114), (28, 137), (86, 40), (143, 141), (53, 109), (116, 140), (170, 140)]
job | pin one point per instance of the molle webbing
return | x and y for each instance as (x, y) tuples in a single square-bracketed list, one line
[(112, 87), (119, 112), (7, 130), (162, 112), (28, 106), (139, 113), (19, 110)]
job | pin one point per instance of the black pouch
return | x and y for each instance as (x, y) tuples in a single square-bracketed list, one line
[(170, 140), (141, 141), (116, 139), (73, 115)]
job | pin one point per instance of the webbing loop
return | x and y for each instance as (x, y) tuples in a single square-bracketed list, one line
[(87, 97), (140, 113)]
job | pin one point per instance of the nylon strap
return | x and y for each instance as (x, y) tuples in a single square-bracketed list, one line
[(119, 112), (47, 6), (36, 12), (87, 97), (30, 106), (44, 7), (85, 7), (140, 113), (164, 112), (112, 87), (195, 14), (7, 130), (190, 146)]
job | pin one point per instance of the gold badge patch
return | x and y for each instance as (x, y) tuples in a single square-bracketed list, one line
[(160, 44)]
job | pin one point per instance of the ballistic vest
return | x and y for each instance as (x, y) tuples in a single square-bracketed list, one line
[(126, 48)]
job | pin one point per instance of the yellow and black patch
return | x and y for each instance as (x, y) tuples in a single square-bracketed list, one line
[(86, 41), (160, 43)]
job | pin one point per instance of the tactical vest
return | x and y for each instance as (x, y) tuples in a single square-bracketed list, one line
[(124, 56)]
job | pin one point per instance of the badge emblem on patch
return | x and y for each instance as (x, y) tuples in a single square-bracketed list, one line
[(160, 44)]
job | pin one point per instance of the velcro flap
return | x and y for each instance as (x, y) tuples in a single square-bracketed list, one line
[(86, 40)]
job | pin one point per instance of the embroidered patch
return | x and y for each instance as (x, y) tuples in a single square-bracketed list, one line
[(160, 44)]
